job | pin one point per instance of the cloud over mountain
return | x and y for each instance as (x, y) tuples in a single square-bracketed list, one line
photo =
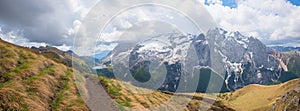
[(275, 22), (51, 21), (55, 22)]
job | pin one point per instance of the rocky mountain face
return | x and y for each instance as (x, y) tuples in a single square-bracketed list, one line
[(229, 56), (290, 63), (246, 59)]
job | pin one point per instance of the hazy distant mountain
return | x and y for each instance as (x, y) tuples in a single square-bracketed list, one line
[(68, 58), (283, 48)]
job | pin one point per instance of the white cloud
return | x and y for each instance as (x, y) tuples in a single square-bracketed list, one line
[(272, 21), (103, 47), (76, 25), (63, 47), (269, 20), (128, 19), (214, 1), (135, 24), (12, 38), (15, 38), (46, 30), (110, 36)]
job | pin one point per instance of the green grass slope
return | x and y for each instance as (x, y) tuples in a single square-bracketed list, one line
[(33, 82), (258, 97), (127, 97)]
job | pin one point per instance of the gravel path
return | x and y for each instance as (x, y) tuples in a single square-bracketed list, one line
[(99, 100)]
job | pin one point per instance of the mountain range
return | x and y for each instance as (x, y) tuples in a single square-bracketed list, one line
[(242, 60)]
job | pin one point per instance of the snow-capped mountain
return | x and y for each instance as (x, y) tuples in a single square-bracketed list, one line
[(238, 60), (246, 59)]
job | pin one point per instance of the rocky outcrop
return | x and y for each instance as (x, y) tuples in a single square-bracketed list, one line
[(289, 101)]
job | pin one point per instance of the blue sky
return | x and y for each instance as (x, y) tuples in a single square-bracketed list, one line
[(233, 3), (295, 2), (229, 3)]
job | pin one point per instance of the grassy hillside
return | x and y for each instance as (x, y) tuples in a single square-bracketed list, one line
[(125, 95), (33, 82), (249, 98), (258, 97)]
